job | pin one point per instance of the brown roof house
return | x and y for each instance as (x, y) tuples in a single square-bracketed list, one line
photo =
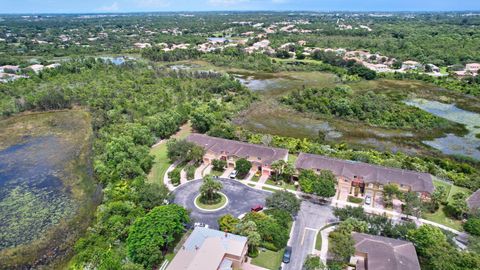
[(473, 201), (260, 156), (364, 175), (382, 253), (207, 249)]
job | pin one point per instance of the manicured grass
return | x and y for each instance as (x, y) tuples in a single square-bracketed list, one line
[(440, 217), (318, 241), (353, 199), (455, 189), (159, 152), (255, 178), (216, 173), (160, 164), (269, 189), (269, 259), (252, 185), (283, 185), (222, 202)]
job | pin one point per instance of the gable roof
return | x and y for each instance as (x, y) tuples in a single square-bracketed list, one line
[(239, 149), (206, 249), (419, 182), (473, 201), (385, 253)]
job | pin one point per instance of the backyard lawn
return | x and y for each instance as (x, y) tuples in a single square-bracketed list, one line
[(283, 185), (439, 216), (269, 259)]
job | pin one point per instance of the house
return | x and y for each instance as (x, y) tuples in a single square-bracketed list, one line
[(139, 45), (410, 65), (382, 253), (354, 174), (36, 68), (260, 156), (209, 249), (10, 69), (473, 201), (473, 67), (433, 68)]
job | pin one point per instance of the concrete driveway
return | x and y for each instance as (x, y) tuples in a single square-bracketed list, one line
[(310, 219), (241, 199)]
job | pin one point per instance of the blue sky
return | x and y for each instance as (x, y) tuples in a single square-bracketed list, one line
[(82, 6)]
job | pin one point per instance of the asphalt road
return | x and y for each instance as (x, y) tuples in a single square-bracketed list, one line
[(310, 219), (241, 199)]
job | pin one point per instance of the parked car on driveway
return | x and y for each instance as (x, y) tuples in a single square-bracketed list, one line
[(368, 200), (257, 208), (233, 174), (287, 254)]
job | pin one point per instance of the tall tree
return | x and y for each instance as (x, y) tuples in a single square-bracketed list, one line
[(210, 188)]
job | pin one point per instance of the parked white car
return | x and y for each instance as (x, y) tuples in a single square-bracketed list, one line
[(233, 174), (368, 200)]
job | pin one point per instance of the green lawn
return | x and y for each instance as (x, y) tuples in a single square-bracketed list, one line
[(222, 202), (216, 173), (252, 185), (159, 152), (283, 185), (439, 216), (255, 178), (318, 241), (269, 189), (160, 164), (269, 259)]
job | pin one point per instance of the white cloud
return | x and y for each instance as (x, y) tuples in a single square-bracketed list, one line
[(280, 1), (113, 7)]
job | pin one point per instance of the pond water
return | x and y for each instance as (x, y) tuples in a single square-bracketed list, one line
[(451, 144), (32, 196), (118, 61)]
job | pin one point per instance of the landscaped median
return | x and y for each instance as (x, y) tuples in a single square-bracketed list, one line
[(211, 207)]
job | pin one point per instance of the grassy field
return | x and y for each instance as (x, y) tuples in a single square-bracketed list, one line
[(159, 152), (269, 189), (269, 259), (439, 216)]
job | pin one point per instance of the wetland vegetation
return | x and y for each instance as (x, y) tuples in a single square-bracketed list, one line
[(47, 191)]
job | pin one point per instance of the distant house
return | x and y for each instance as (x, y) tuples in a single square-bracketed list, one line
[(260, 156), (10, 69), (433, 68), (473, 67), (382, 253), (139, 45), (368, 176), (208, 249), (473, 201), (36, 68), (410, 65)]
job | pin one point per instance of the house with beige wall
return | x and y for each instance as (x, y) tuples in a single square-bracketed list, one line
[(260, 156), (364, 176), (209, 249)]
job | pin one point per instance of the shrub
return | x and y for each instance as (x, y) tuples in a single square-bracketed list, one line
[(219, 165), (190, 169), (174, 177), (243, 166), (472, 226)]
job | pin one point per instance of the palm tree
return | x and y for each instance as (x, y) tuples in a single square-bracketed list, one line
[(278, 166), (210, 188)]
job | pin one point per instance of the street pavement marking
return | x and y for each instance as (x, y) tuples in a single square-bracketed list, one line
[(303, 235)]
